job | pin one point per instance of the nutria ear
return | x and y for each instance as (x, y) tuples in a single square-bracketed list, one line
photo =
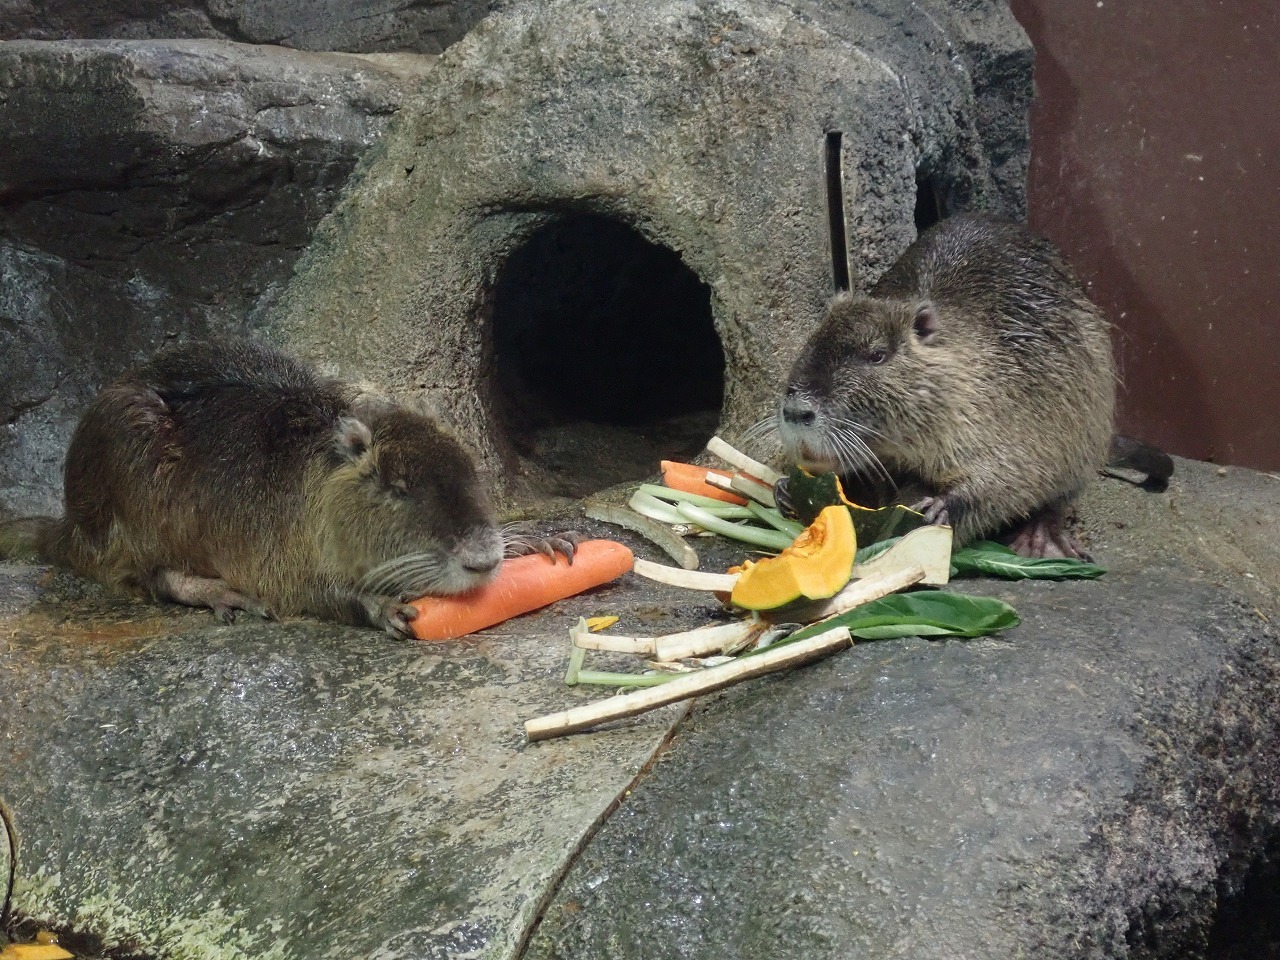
[(926, 322), (353, 437)]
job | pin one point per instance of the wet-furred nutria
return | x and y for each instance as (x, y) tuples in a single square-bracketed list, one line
[(976, 369), (231, 476)]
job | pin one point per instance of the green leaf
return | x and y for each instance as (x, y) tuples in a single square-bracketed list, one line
[(997, 560), (923, 613)]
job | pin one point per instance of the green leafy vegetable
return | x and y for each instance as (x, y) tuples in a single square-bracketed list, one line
[(996, 560), (920, 614)]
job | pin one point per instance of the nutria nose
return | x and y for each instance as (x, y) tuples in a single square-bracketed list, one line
[(798, 410), (480, 566)]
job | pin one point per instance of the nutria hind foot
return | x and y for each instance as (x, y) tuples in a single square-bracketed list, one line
[(1043, 536), (207, 592)]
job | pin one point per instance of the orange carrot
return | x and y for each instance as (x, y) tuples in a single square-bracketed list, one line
[(522, 584), (689, 478)]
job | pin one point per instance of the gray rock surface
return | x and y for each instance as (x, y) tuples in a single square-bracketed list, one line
[(294, 791), (1101, 781), (356, 26), (699, 127), (150, 190)]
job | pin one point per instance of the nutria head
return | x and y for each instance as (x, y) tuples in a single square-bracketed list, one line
[(878, 378), (402, 507)]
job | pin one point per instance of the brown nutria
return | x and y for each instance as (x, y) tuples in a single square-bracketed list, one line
[(977, 367), (231, 476)]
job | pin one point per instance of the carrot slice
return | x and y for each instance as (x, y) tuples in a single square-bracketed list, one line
[(689, 478), (522, 584)]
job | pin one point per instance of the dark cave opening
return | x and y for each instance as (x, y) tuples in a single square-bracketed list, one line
[(929, 202), (1247, 923), (606, 358)]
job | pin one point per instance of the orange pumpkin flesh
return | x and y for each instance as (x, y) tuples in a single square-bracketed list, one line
[(816, 566)]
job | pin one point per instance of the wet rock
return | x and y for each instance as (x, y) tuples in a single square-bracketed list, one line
[(150, 190), (419, 26)]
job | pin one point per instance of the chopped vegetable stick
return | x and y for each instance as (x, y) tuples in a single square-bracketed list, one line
[(744, 486), (704, 640), (688, 685), (653, 531), (754, 490), (770, 539), (692, 479), (655, 509), (741, 462), (793, 528), (691, 579), (719, 507), (613, 643), (927, 547), (522, 584), (855, 594)]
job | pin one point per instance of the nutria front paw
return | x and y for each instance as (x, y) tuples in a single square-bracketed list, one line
[(396, 617), (230, 604), (564, 542), (782, 497), (936, 510)]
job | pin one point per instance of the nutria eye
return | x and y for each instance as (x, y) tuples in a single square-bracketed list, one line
[(877, 356)]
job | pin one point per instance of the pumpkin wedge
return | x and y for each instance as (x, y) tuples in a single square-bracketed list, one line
[(815, 567)]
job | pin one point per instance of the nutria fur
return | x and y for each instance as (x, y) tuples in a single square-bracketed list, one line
[(977, 367), (231, 476)]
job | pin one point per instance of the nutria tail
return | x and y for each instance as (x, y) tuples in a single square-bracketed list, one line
[(1128, 454), (29, 538)]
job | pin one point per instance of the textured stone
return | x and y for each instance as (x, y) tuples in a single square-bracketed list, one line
[(356, 26), (699, 127), (153, 190), (293, 791), (1102, 781)]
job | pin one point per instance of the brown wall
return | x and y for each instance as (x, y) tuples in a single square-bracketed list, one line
[(1156, 167)]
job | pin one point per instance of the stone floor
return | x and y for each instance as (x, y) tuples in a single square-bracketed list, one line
[(1102, 781)]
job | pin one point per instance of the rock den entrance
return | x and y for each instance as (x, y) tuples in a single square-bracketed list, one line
[(606, 358)]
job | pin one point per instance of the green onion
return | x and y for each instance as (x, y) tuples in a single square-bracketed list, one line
[(776, 520), (757, 536)]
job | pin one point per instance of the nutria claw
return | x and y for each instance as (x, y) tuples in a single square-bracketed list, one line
[(396, 617), (564, 542), (227, 611), (936, 510), (782, 498)]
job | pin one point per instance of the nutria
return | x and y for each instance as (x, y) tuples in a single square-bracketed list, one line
[(231, 476), (976, 367)]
